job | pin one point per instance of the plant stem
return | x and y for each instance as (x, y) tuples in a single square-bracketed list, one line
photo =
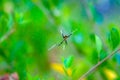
[(99, 63), (6, 35)]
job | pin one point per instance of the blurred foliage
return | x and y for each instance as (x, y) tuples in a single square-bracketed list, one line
[(28, 28)]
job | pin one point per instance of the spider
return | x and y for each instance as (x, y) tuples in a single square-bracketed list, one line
[(65, 37)]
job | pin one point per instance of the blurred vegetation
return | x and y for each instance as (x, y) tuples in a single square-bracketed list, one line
[(28, 28)]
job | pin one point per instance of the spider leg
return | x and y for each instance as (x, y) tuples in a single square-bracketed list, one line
[(62, 33), (74, 31), (69, 35), (53, 46), (66, 42), (60, 42)]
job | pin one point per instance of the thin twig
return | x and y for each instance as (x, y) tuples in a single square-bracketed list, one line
[(98, 64), (6, 35)]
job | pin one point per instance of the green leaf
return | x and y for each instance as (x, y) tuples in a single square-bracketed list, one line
[(98, 43), (114, 38), (68, 61)]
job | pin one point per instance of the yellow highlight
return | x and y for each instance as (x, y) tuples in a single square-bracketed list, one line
[(59, 68), (111, 75), (69, 72)]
